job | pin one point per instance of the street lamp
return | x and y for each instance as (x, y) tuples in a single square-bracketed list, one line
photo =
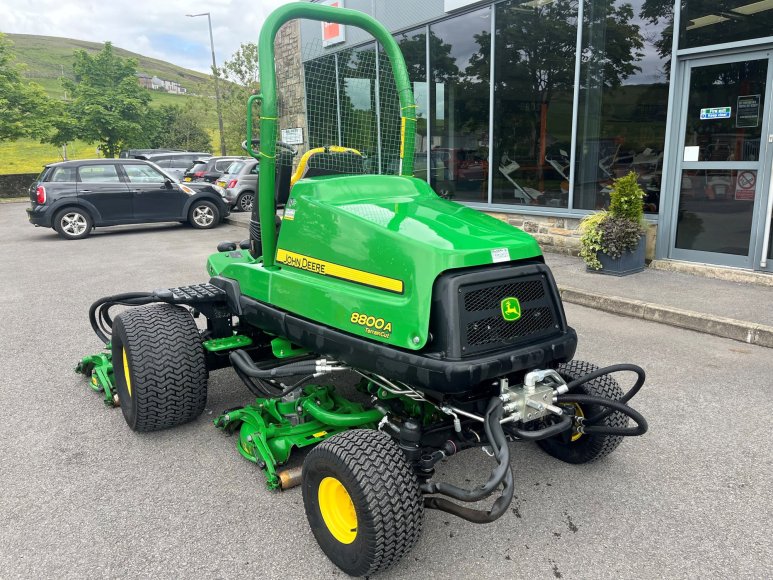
[(217, 86)]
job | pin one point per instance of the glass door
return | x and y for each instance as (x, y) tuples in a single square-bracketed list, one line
[(724, 160)]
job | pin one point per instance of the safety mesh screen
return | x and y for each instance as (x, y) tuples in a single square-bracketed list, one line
[(352, 101)]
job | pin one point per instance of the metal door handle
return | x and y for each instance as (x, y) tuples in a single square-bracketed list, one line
[(84, 191)]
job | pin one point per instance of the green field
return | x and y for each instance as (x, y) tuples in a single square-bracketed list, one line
[(45, 59)]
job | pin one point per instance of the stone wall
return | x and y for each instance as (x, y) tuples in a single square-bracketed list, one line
[(16, 185), (289, 79), (560, 235)]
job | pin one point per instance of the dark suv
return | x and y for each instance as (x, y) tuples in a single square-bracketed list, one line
[(209, 170), (73, 197)]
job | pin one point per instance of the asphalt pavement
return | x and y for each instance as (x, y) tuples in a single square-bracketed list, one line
[(84, 496)]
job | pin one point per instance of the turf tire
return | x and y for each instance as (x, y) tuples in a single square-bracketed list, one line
[(587, 447), (166, 364), (385, 494)]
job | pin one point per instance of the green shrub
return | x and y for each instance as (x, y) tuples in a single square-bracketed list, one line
[(625, 199)]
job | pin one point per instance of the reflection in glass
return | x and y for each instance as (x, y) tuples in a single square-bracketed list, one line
[(413, 45), (725, 110), (357, 83), (707, 22), (715, 211), (321, 101), (459, 96), (623, 98), (534, 66)]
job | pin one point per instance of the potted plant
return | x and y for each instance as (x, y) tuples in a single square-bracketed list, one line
[(613, 241)]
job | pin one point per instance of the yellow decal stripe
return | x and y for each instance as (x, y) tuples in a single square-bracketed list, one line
[(337, 271), (126, 372)]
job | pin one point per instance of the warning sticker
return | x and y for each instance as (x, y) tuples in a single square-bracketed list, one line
[(500, 255), (744, 185)]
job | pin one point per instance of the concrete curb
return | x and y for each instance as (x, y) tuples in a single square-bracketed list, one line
[(748, 332)]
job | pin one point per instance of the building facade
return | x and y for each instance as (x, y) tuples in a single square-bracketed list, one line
[(528, 109)]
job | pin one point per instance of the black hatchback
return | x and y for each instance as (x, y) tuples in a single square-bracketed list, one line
[(73, 197)]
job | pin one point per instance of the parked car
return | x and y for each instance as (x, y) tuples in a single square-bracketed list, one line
[(240, 182), (173, 162), (211, 170), (73, 197)]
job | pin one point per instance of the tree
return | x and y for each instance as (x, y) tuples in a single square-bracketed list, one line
[(181, 128), (108, 105), (24, 107), (241, 74)]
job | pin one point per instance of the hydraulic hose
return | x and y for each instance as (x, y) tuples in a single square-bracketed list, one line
[(611, 405), (498, 442), (640, 377), (99, 315), (341, 419), (564, 424), (242, 361)]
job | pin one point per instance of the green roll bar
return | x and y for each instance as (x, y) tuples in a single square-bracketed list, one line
[(269, 114)]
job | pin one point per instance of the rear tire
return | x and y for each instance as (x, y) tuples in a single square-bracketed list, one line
[(362, 501), (245, 201), (73, 223), (204, 215), (160, 369), (573, 447)]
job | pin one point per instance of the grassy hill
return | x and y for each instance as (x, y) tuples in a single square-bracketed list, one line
[(49, 57), (46, 57)]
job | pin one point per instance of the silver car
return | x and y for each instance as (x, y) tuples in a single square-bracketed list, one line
[(240, 182)]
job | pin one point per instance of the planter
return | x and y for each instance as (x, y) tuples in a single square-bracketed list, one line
[(628, 263)]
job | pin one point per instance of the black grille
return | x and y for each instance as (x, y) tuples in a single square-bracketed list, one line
[(496, 329), (491, 298)]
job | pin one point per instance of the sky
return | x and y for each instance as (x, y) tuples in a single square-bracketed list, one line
[(155, 28)]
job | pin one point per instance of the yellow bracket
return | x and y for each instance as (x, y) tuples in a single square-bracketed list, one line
[(306, 156)]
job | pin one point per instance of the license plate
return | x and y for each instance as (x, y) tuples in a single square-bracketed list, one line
[(186, 179), (221, 183)]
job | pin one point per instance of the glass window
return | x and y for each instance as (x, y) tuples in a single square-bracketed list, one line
[(235, 167), (715, 211), (707, 22), (321, 101), (357, 85), (724, 112), (534, 67), (413, 45), (143, 174), (98, 173), (63, 174), (460, 51), (255, 169), (623, 99)]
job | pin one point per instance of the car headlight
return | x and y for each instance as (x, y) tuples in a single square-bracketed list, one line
[(220, 190), (187, 189)]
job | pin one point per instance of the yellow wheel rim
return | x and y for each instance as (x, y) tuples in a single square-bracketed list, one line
[(126, 372), (577, 413), (337, 510)]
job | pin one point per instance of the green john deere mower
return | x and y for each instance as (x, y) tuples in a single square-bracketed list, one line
[(449, 319)]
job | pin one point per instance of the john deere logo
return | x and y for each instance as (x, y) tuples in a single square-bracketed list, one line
[(511, 309)]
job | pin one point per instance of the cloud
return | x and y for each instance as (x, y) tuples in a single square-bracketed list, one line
[(155, 28)]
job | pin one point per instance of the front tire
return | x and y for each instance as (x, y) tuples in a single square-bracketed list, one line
[(362, 501), (73, 224), (204, 215), (160, 369), (573, 447)]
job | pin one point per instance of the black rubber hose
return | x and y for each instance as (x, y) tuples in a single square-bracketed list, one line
[(640, 377), (242, 361), (128, 299), (563, 425), (498, 443), (611, 405)]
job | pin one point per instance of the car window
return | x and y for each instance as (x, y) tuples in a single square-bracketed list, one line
[(180, 163), (254, 170), (143, 174), (60, 174), (164, 163), (98, 173), (235, 167)]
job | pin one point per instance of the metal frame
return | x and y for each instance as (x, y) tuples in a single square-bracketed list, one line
[(761, 166)]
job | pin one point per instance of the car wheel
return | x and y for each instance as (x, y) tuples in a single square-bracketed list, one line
[(244, 201), (204, 215), (73, 224)]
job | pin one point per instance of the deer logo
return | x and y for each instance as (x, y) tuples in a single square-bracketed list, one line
[(511, 309)]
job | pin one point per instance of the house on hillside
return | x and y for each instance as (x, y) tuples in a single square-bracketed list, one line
[(144, 80), (156, 83)]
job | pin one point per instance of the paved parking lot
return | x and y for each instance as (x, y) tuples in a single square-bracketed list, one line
[(81, 495)]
